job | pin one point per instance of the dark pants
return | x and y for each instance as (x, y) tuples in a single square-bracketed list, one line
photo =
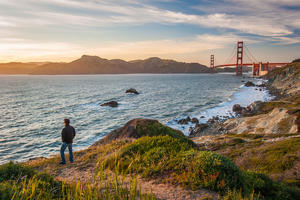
[(62, 152)]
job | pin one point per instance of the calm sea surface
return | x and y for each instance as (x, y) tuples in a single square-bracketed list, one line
[(32, 108)]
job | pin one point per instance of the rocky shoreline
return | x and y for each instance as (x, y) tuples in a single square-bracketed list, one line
[(216, 124)]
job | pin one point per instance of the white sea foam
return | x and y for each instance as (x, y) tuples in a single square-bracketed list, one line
[(243, 96)]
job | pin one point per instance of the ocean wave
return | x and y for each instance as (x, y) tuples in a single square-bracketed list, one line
[(243, 96)]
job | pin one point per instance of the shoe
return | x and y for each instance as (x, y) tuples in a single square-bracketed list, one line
[(62, 163)]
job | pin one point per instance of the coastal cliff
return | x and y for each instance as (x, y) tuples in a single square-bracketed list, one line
[(257, 156), (267, 140)]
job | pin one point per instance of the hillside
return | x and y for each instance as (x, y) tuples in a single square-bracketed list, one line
[(18, 67), (142, 160), (96, 65), (268, 139)]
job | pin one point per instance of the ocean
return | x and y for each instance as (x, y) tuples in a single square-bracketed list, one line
[(33, 107)]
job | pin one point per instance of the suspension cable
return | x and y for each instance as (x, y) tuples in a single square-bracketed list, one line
[(251, 55), (232, 54)]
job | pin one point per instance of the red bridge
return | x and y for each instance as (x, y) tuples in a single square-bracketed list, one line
[(241, 51)]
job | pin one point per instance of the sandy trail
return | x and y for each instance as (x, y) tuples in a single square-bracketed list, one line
[(71, 174)]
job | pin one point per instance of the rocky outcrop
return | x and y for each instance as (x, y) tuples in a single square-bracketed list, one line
[(277, 121), (198, 129), (237, 109), (184, 121), (285, 79), (214, 126), (249, 84), (132, 91), (251, 109), (137, 128), (110, 104), (195, 120)]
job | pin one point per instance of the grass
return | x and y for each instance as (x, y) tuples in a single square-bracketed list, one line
[(170, 160), (275, 158), (157, 129), (255, 154), (22, 182), (167, 156)]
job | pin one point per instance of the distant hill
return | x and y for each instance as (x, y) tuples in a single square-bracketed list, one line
[(96, 65), (17, 67)]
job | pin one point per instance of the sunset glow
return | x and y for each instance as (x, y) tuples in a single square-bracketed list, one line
[(63, 30)]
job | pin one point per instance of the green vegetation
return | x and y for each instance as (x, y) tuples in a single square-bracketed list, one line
[(157, 129), (274, 158), (170, 160), (21, 182), (269, 106), (167, 156)]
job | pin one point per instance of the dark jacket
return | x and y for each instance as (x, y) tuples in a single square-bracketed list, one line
[(67, 134)]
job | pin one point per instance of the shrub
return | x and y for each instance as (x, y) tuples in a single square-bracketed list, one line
[(157, 129), (268, 188), (181, 163), (10, 171)]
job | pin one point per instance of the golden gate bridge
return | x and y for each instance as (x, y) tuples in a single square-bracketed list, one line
[(242, 57)]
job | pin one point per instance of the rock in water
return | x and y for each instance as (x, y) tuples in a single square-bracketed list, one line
[(184, 121), (110, 103), (132, 90), (249, 84), (199, 128), (195, 120), (237, 108)]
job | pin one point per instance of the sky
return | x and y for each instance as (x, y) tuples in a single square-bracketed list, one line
[(183, 30)]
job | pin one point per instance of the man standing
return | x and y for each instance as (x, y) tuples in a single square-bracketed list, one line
[(67, 135)]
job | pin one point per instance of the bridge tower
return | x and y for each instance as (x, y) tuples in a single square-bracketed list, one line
[(212, 61), (239, 58)]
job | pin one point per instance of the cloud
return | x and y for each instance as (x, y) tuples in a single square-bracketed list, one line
[(28, 50), (258, 17), (252, 21), (265, 18)]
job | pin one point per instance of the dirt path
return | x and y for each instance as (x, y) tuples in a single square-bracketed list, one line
[(72, 174)]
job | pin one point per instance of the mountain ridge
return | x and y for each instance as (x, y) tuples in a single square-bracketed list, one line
[(87, 64)]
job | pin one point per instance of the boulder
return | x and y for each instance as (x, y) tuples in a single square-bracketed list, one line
[(255, 106), (249, 84), (213, 120), (111, 104), (138, 128), (198, 129), (184, 121), (201, 127), (132, 91), (237, 108), (195, 120), (262, 85), (252, 108)]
